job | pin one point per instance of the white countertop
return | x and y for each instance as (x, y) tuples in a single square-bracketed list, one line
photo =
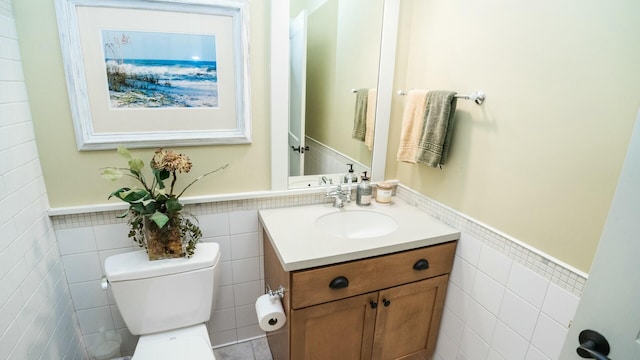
[(300, 243)]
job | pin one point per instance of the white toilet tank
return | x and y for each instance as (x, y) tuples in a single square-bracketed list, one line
[(162, 295)]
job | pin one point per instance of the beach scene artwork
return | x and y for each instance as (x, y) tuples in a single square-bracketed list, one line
[(160, 70)]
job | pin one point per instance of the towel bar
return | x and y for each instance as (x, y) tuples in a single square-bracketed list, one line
[(478, 97)]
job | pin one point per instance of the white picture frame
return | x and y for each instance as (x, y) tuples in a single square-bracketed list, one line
[(103, 121)]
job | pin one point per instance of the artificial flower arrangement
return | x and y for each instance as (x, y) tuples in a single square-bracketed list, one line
[(155, 217)]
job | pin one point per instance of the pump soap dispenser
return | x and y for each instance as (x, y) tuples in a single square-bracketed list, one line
[(364, 191), (350, 177)]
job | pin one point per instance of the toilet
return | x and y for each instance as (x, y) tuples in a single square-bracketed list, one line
[(167, 302)]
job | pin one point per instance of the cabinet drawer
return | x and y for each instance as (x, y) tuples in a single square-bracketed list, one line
[(313, 286)]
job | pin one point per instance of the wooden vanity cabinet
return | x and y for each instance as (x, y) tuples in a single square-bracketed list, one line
[(407, 323), (341, 329), (389, 310)]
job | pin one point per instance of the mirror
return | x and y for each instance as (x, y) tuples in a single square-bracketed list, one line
[(334, 50), (327, 103)]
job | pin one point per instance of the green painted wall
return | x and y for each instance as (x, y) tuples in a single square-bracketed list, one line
[(538, 161), (541, 158), (72, 177)]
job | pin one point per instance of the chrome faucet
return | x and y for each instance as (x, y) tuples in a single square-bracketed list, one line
[(325, 180), (340, 194)]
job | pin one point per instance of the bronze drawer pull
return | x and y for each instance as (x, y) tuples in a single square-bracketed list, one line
[(422, 264), (340, 282)]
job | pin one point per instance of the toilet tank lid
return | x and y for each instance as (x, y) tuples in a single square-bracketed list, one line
[(136, 264)]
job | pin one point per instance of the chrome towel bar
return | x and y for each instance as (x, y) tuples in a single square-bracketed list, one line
[(478, 97)]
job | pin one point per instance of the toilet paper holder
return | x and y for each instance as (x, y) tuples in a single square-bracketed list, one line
[(279, 292)]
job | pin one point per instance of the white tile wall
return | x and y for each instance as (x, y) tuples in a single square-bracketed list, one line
[(37, 318), (518, 314), (509, 312), (84, 250)]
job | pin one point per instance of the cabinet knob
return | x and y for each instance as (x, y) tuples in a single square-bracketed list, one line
[(373, 304), (340, 282), (422, 264), (386, 302)]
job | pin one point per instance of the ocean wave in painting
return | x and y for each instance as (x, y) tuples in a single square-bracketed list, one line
[(162, 83)]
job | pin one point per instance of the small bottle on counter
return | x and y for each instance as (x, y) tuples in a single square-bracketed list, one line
[(364, 191), (384, 191), (350, 177)]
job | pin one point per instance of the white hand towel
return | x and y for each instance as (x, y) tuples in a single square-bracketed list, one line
[(371, 118), (412, 122)]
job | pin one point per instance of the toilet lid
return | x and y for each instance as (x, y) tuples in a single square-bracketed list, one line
[(189, 347)]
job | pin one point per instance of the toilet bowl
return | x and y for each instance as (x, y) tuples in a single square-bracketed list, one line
[(167, 301)]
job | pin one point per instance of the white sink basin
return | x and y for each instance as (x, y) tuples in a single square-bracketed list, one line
[(357, 224)]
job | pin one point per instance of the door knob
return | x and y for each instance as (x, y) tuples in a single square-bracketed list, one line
[(593, 345)]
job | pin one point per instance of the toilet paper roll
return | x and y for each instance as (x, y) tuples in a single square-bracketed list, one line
[(270, 312)]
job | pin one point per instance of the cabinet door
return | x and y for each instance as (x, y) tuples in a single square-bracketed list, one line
[(408, 319), (340, 329)]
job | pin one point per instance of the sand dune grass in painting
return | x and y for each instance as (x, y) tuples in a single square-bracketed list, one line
[(141, 75)]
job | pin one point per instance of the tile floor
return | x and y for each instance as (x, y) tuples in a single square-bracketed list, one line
[(256, 349)]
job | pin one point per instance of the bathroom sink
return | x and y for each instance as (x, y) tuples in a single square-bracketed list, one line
[(357, 224)]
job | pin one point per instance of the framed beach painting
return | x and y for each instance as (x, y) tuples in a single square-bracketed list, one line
[(148, 73)]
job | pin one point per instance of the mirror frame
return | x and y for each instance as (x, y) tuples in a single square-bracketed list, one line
[(280, 91)]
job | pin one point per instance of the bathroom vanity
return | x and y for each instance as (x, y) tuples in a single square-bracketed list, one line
[(350, 294)]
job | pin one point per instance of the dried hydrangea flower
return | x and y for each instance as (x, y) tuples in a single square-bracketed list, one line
[(170, 161)]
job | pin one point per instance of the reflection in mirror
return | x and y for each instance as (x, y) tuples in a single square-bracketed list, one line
[(334, 52), (279, 92)]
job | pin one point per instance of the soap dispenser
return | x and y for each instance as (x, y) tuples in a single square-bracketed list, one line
[(364, 191), (350, 177)]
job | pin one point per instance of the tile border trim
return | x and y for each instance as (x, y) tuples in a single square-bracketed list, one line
[(552, 269), (556, 271)]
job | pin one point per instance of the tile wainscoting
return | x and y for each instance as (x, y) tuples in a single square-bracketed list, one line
[(37, 319), (505, 300), (87, 239)]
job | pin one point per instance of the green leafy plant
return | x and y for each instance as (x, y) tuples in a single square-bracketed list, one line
[(154, 199)]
